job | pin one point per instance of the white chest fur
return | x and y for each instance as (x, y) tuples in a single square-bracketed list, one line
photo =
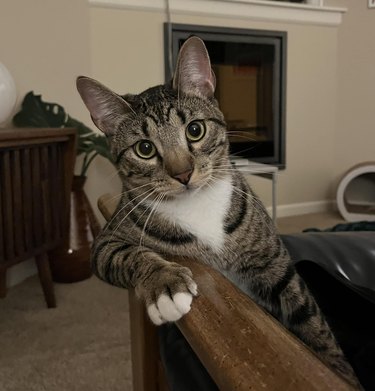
[(202, 213)]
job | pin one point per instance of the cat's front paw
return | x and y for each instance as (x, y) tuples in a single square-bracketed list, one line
[(168, 293)]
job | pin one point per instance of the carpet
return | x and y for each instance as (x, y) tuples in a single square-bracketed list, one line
[(83, 344)]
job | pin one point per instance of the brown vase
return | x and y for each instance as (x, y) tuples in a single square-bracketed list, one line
[(71, 262)]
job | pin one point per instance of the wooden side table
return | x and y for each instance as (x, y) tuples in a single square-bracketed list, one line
[(36, 170)]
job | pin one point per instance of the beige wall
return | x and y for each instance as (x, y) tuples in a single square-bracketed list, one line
[(355, 130), (46, 44)]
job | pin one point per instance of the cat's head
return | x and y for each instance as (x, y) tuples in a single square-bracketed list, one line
[(172, 136)]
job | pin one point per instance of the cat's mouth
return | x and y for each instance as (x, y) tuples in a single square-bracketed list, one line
[(192, 187)]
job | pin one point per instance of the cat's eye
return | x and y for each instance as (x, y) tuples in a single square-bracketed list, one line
[(145, 149), (195, 131)]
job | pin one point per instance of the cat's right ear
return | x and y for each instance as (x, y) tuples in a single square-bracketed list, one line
[(193, 73), (105, 106)]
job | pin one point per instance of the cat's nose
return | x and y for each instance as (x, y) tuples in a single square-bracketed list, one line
[(184, 177)]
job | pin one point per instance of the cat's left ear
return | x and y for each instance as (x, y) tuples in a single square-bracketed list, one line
[(193, 73), (105, 106)]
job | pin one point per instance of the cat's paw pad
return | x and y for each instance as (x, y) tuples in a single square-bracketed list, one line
[(169, 309)]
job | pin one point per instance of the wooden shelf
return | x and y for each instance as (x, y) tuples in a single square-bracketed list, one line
[(261, 10)]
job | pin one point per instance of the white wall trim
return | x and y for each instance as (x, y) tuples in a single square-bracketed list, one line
[(304, 208), (264, 10), (19, 272)]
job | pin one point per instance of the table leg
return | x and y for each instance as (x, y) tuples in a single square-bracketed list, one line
[(45, 277), (3, 283), (274, 195)]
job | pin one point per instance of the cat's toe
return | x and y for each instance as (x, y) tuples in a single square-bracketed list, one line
[(155, 315), (168, 308), (193, 288), (183, 301)]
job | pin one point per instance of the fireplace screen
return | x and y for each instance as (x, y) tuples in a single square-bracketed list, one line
[(250, 85)]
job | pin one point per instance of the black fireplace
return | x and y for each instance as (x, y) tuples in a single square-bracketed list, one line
[(250, 69)]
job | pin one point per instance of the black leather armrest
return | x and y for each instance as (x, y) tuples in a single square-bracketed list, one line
[(347, 256)]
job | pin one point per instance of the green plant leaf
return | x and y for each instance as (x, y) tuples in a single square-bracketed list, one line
[(36, 113), (102, 147)]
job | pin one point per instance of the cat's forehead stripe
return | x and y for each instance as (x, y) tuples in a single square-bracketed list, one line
[(182, 115), (154, 117), (145, 129)]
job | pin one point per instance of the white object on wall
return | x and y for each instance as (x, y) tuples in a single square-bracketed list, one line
[(356, 193), (371, 3), (8, 94)]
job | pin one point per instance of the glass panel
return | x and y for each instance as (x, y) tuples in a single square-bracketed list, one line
[(250, 70), (244, 76)]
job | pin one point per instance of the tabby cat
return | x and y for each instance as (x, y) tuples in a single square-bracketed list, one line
[(182, 197)]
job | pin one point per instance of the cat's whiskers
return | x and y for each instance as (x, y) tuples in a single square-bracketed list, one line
[(271, 228), (229, 164), (124, 206), (144, 212), (249, 138), (246, 169), (245, 195), (215, 180), (197, 190), (255, 208), (235, 188), (124, 218), (235, 154), (150, 205), (156, 203), (131, 108), (119, 195)]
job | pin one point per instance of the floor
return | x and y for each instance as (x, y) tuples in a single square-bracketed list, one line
[(294, 224), (83, 344)]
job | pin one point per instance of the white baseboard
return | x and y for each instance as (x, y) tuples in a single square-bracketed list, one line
[(16, 274), (303, 208)]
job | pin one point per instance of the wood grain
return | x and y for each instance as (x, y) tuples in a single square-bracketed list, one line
[(26, 193), (17, 202), (144, 347), (35, 188), (7, 206)]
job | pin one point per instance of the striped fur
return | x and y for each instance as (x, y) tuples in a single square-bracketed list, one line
[(215, 218)]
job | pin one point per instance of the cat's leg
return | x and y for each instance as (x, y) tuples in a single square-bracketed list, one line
[(166, 288), (286, 296), (303, 317)]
